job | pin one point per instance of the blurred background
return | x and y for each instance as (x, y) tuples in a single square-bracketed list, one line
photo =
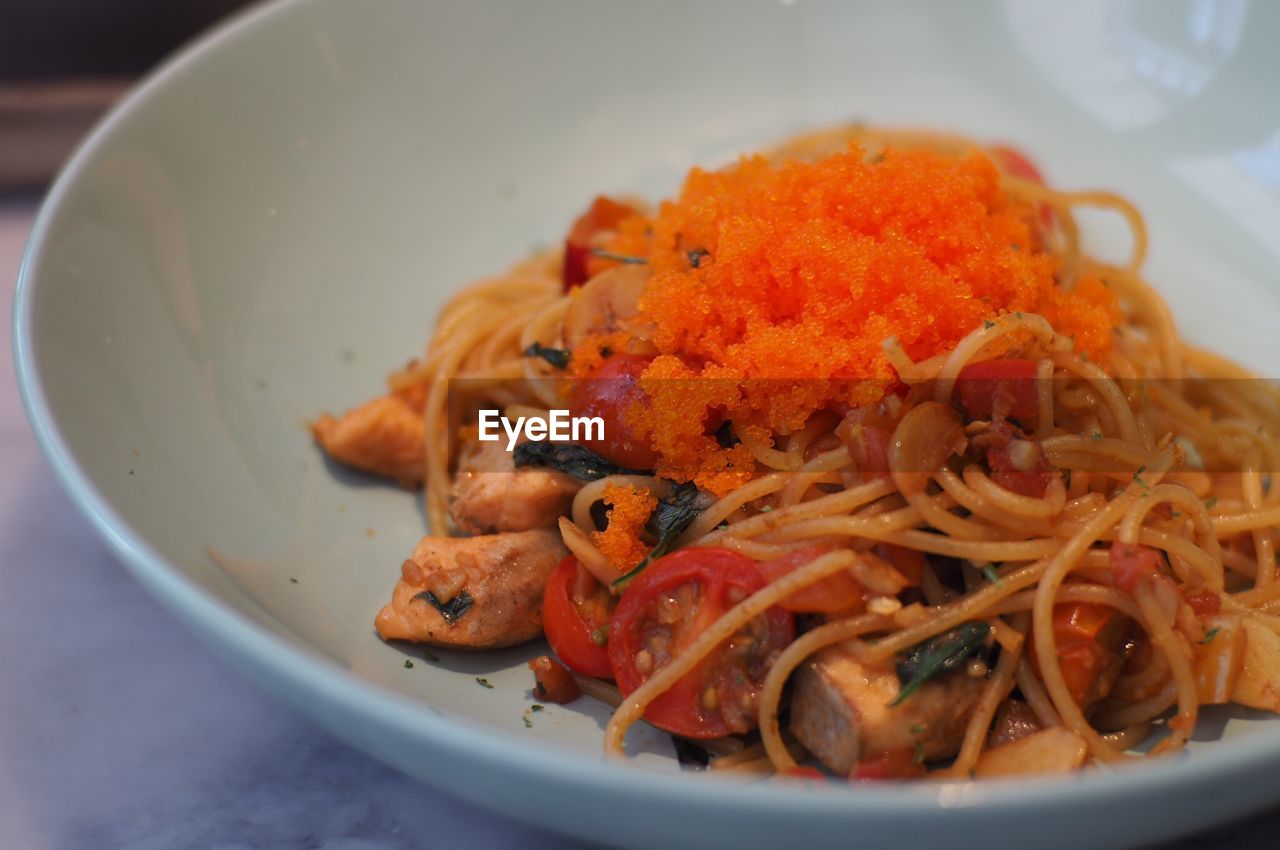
[(63, 62)]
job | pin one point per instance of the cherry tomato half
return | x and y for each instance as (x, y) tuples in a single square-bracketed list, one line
[(603, 215), (665, 609), (610, 391), (837, 593), (1000, 388), (1087, 638), (1204, 603), (1017, 164), (1131, 563), (575, 609)]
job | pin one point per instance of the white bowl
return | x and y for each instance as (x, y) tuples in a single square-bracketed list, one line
[(265, 227)]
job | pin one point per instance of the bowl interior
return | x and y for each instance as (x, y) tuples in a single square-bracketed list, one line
[(267, 229)]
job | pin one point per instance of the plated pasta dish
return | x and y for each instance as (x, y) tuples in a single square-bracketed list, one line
[(881, 475)]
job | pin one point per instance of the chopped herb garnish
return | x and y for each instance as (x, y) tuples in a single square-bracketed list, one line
[(667, 522), (408, 665), (764, 509), (918, 758), (1209, 636), (1096, 435), (292, 580), (989, 571), (430, 656), (537, 706), (917, 729), (941, 654), (451, 610), (1210, 502), (619, 258), (697, 255), (528, 724), (988, 324), (557, 357), (483, 682), (1137, 477), (569, 458)]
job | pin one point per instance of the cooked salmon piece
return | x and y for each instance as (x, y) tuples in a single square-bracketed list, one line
[(473, 592), (384, 436), (840, 711), (491, 495)]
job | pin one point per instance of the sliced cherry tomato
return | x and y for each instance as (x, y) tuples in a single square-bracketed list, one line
[(1003, 389), (1205, 603), (1014, 162), (838, 593), (552, 681), (1087, 638), (909, 562), (1017, 463), (665, 609), (610, 391), (603, 215), (1017, 163), (894, 764), (1131, 562), (576, 610)]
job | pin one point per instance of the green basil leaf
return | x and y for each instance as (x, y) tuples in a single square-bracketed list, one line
[(941, 654)]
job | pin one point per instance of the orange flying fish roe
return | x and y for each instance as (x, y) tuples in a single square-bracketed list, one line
[(629, 510), (782, 282)]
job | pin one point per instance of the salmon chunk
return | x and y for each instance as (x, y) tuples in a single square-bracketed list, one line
[(384, 436), (490, 494), (472, 592), (840, 711)]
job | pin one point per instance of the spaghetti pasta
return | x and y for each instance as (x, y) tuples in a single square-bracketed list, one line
[(1009, 481)]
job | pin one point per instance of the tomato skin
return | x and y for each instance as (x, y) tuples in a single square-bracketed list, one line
[(1026, 475), (609, 391), (567, 632), (1086, 636), (909, 562), (894, 764), (1205, 603), (604, 214), (1007, 386), (1017, 163), (552, 681), (722, 579), (1131, 563), (837, 593)]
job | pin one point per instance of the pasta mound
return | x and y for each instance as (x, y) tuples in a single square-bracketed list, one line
[(766, 273)]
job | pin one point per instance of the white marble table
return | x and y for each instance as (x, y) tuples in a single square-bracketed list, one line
[(119, 730)]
